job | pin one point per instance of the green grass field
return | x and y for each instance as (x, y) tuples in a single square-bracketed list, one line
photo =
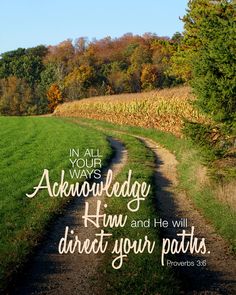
[(27, 146)]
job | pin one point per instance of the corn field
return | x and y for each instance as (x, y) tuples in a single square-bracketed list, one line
[(164, 109)]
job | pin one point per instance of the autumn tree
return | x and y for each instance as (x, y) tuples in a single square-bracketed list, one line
[(54, 96), (149, 77), (141, 55), (16, 97), (61, 57), (133, 79), (78, 81), (162, 52)]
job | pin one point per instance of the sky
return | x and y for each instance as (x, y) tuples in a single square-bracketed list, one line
[(28, 23)]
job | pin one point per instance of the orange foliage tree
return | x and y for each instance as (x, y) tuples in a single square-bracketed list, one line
[(54, 96)]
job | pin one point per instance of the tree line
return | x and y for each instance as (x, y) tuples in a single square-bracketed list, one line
[(35, 80)]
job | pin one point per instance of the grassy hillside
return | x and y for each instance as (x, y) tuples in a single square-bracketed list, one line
[(164, 109)]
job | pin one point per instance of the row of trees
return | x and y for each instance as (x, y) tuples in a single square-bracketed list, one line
[(20, 77), (80, 69), (34, 80)]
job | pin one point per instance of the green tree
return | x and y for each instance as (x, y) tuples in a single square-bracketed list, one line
[(117, 79), (28, 67), (210, 32), (141, 55), (23, 63), (177, 37)]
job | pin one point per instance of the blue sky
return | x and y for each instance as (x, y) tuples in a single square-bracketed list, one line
[(27, 23)]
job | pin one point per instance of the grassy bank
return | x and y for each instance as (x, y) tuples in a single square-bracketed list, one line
[(191, 178), (27, 146)]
